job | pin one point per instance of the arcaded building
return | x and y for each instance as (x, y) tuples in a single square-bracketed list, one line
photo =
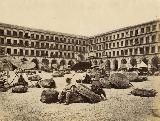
[(41, 46), (126, 46), (129, 45)]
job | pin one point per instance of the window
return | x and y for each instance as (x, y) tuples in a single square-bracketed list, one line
[(141, 50), (109, 54), (130, 51), (131, 33), (148, 29), (122, 52), (113, 44), (153, 49), (122, 35), (121, 43), (117, 53), (84, 49), (106, 46), (135, 51), (8, 32), (64, 47), (158, 48), (147, 40), (32, 52), (37, 36), (1, 32), (21, 34), (26, 35), (21, 42), (32, 36), (15, 42), (117, 44), (26, 52), (37, 53), (26, 43), (42, 37), (153, 27), (47, 37), (153, 38), (109, 45), (141, 40), (9, 41), (136, 32), (9, 51), (126, 43), (15, 51), (32, 44), (21, 51), (142, 30), (136, 41), (113, 53), (147, 50), (47, 45), (42, 45), (2, 40), (126, 52), (131, 42), (37, 44), (15, 33), (117, 36)]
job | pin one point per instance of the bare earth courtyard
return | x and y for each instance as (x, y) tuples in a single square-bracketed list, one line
[(119, 106)]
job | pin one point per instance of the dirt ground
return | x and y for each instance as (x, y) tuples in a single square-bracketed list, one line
[(119, 106)]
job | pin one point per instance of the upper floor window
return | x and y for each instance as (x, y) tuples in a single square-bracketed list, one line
[(1, 32), (131, 33), (153, 27), (153, 38), (14, 33), (20, 34), (148, 29), (121, 43), (122, 35), (136, 32), (142, 30), (9, 32), (37, 36)]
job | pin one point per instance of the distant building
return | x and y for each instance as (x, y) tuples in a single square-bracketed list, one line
[(129, 45), (41, 46)]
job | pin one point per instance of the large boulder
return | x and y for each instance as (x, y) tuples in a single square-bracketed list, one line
[(105, 83), (19, 89), (49, 96), (144, 92), (47, 83), (119, 81)]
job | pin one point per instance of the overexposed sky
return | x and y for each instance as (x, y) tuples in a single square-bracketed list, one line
[(81, 17)]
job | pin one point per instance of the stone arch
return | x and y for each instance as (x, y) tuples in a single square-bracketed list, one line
[(62, 62), (71, 63), (36, 62), (133, 62), (101, 61), (123, 61), (95, 62), (155, 61), (115, 64), (45, 61), (54, 64), (81, 57), (108, 64)]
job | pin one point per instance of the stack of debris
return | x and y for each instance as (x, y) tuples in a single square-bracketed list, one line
[(144, 92)]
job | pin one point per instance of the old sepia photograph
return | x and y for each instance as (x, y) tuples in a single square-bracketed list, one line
[(79, 60)]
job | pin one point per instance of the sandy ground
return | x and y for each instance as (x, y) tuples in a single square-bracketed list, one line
[(119, 106)]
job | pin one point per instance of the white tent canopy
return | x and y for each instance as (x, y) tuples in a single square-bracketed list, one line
[(142, 65)]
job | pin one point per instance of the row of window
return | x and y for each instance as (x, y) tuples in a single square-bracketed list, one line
[(124, 34), (42, 45), (42, 53), (56, 38), (125, 43), (128, 52)]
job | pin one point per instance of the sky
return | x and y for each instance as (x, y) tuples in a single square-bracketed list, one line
[(80, 17)]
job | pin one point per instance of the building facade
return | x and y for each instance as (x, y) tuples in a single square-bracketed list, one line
[(41, 46), (129, 45)]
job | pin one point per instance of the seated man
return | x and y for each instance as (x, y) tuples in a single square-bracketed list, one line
[(96, 87), (67, 92), (21, 81)]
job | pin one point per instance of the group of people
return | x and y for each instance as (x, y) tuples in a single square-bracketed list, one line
[(70, 89)]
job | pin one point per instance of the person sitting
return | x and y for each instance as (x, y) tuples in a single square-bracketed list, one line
[(96, 87), (21, 81), (67, 92)]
